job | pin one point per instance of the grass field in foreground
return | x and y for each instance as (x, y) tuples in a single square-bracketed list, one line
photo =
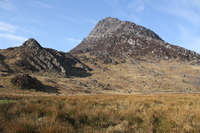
[(103, 113)]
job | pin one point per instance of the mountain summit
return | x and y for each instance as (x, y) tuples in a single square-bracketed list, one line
[(109, 26), (32, 43), (122, 39)]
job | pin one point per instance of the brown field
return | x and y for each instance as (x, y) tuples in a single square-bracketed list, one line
[(178, 113)]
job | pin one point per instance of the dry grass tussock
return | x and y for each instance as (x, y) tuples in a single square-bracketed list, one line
[(106, 113)]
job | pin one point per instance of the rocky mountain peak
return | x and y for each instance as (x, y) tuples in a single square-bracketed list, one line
[(109, 26), (123, 39), (31, 43), (110, 32)]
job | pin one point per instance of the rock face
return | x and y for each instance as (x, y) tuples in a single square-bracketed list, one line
[(122, 39), (32, 57)]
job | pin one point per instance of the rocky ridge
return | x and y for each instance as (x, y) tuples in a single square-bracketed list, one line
[(122, 39), (32, 57)]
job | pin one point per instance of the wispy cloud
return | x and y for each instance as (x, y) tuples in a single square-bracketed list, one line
[(131, 16), (7, 27), (189, 37), (7, 5), (187, 10), (91, 21), (42, 5), (186, 16), (185, 13), (128, 9), (72, 41), (69, 19), (11, 32), (138, 5), (12, 37), (113, 3)]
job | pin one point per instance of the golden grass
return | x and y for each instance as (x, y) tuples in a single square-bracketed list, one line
[(103, 113)]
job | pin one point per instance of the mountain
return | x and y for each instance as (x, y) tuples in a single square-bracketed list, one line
[(122, 39), (32, 57), (124, 58), (128, 58)]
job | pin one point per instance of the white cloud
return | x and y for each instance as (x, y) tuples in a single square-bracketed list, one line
[(69, 19), (7, 5), (7, 27), (13, 37), (41, 4)]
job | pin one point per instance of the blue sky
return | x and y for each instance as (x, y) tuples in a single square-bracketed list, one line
[(62, 24)]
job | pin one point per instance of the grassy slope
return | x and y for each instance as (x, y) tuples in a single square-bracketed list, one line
[(144, 77), (103, 113)]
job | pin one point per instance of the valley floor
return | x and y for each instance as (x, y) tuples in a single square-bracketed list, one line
[(141, 97), (101, 113)]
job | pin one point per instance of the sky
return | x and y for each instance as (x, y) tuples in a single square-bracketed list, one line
[(63, 24)]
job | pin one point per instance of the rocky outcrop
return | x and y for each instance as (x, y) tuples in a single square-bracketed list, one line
[(109, 26), (27, 82), (32, 57), (122, 39), (32, 43)]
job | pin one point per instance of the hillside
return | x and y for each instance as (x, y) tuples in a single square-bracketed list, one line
[(32, 57), (133, 59)]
